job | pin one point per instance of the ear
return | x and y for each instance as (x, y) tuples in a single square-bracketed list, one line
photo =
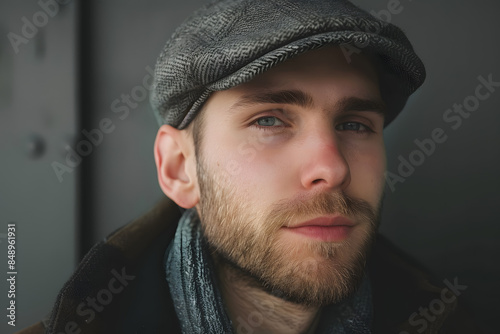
[(176, 166)]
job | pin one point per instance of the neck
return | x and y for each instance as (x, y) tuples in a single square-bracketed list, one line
[(254, 310)]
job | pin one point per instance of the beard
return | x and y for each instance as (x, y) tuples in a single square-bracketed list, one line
[(251, 242)]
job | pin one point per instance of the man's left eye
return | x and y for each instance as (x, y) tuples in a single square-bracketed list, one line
[(268, 121), (353, 126)]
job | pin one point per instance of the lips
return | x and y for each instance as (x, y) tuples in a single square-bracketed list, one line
[(328, 229)]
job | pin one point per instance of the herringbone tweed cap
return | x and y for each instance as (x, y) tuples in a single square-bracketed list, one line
[(229, 42)]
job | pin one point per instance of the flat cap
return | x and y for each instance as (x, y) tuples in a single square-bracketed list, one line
[(229, 42)]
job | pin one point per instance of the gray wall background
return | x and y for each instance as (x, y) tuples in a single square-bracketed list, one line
[(38, 116), (66, 79)]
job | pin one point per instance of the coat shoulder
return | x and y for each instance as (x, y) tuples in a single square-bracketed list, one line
[(407, 298), (120, 285)]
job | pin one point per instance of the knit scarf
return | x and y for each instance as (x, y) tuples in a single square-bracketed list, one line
[(198, 301)]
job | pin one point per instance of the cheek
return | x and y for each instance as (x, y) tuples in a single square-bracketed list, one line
[(262, 175), (367, 169), (241, 162), (235, 152)]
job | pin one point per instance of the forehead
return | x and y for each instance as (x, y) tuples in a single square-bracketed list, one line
[(330, 62)]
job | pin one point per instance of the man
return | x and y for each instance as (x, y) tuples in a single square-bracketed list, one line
[(273, 115)]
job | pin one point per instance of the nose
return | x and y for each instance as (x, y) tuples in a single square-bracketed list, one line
[(324, 164)]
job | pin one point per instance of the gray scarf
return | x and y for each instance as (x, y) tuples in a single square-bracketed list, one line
[(198, 302)]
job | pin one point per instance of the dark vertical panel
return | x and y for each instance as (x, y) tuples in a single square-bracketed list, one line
[(86, 217)]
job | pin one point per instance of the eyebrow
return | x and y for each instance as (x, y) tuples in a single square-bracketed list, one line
[(293, 97), (302, 99), (358, 104)]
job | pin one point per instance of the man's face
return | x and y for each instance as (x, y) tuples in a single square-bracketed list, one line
[(291, 174)]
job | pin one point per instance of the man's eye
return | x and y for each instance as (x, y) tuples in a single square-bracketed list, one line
[(268, 121), (353, 126)]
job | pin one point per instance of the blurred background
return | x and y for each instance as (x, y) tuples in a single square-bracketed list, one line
[(80, 71)]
